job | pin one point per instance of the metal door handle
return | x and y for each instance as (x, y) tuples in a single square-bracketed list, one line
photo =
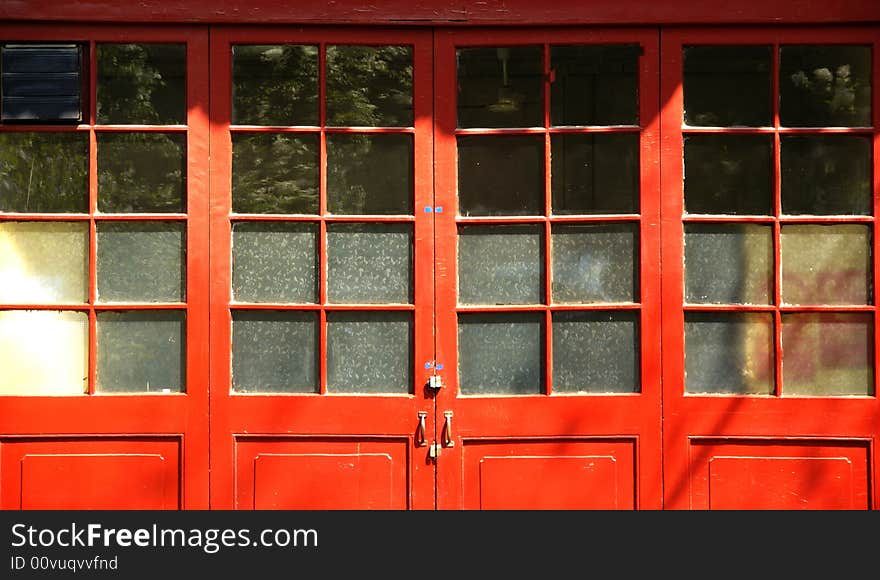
[(447, 430), (420, 430)]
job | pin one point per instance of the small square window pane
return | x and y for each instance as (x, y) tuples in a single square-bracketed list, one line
[(596, 352), (275, 262), (369, 352), (827, 353), (369, 86), (141, 172), (141, 351), (44, 352), (274, 351), (274, 173), (501, 354), (369, 263), (370, 174), (728, 263), (500, 87), (729, 353), (275, 84), (44, 172), (826, 264), (501, 175), (501, 265), (44, 262), (596, 263)]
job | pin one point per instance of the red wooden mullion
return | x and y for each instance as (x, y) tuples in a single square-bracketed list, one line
[(875, 122), (93, 209), (548, 231), (777, 229), (322, 210)]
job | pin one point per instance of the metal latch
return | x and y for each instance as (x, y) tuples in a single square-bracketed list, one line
[(434, 450), (435, 382)]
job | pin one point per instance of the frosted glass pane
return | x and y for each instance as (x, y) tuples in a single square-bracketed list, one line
[(596, 352), (369, 86), (501, 354), (595, 263), (44, 262), (728, 263), (274, 352), (826, 264), (43, 352), (275, 262), (369, 352), (369, 263), (141, 261), (729, 353), (827, 354), (44, 171), (141, 351), (500, 265)]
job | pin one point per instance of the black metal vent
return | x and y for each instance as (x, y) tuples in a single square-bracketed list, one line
[(42, 83)]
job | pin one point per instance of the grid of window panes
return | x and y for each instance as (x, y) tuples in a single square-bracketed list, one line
[(322, 218), (93, 234), (548, 141), (778, 219)]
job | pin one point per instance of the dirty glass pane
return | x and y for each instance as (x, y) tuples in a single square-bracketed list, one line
[(501, 87), (275, 84), (828, 353), (44, 262), (369, 263), (726, 86), (501, 354), (596, 263), (369, 352), (141, 172), (141, 261), (275, 262), (595, 173), (501, 175), (274, 173), (826, 174), (369, 86), (729, 352), (825, 86), (274, 351), (501, 264), (44, 352), (596, 352), (142, 84), (728, 263), (370, 174), (42, 172), (141, 351), (595, 85), (728, 174), (826, 264)]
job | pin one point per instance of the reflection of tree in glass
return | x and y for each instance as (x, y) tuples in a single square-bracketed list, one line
[(275, 173), (369, 174), (142, 83), (369, 86), (275, 85), (44, 172), (141, 172)]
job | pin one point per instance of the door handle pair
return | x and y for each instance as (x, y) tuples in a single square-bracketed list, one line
[(446, 437)]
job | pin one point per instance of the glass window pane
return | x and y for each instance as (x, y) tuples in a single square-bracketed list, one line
[(44, 352), (369, 352), (370, 174), (728, 174), (141, 172), (726, 86), (595, 173), (44, 262), (501, 354), (728, 263), (501, 87), (596, 352), (596, 263), (501, 265), (827, 354), (729, 352), (274, 352), (826, 174), (141, 261), (274, 173), (43, 172), (501, 175), (142, 84), (141, 351), (825, 86), (826, 264), (275, 84), (275, 262), (595, 85), (369, 263), (369, 86)]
